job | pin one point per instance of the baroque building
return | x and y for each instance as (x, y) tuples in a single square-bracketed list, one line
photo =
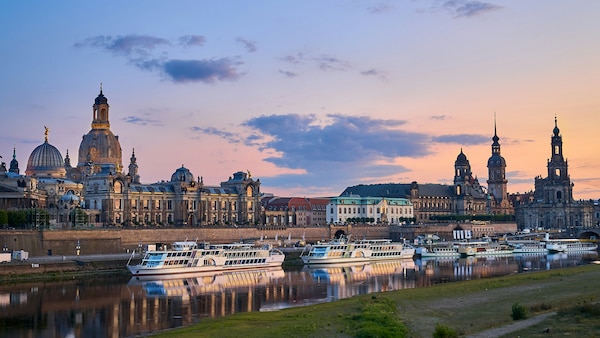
[(97, 192), (465, 197), (500, 203), (374, 210), (551, 205), (293, 211)]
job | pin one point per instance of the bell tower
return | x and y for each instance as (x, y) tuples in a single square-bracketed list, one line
[(559, 188), (100, 107), (497, 183)]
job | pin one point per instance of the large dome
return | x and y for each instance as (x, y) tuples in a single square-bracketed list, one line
[(100, 146), (103, 149), (182, 174), (45, 160)]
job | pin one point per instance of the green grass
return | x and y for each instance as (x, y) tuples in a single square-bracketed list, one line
[(463, 307), (576, 321)]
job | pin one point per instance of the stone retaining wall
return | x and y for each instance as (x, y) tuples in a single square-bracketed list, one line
[(103, 241)]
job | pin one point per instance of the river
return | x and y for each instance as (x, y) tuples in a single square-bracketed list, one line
[(126, 307)]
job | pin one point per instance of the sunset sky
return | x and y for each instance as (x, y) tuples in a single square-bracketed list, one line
[(309, 96)]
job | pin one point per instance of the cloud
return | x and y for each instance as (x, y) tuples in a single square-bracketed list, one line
[(374, 72), (324, 62), (303, 140), (142, 121), (137, 50), (440, 117), (466, 8), (294, 59), (464, 139), (288, 73), (208, 71), (379, 8), (126, 45), (249, 45), (340, 150), (231, 137), (192, 40), (328, 62)]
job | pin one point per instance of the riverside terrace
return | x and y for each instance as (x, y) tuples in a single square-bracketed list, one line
[(104, 241)]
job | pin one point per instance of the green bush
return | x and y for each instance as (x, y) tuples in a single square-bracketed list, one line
[(443, 331), (518, 311)]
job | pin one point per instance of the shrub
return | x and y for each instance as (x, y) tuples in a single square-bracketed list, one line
[(443, 331), (518, 311)]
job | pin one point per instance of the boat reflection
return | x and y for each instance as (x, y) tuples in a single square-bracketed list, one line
[(347, 280), (189, 285)]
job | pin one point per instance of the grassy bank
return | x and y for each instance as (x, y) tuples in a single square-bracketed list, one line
[(466, 308)]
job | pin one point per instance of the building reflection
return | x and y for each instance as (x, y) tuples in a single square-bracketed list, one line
[(122, 307)]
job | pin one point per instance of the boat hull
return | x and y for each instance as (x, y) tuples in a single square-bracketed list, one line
[(137, 270), (408, 254)]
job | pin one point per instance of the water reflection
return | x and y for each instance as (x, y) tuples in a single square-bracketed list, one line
[(123, 307)]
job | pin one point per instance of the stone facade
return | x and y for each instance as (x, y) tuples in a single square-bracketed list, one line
[(97, 192), (551, 205)]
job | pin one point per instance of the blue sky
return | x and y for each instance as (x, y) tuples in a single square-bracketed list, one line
[(309, 96)]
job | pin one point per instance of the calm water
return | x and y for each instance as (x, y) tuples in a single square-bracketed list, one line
[(122, 307)]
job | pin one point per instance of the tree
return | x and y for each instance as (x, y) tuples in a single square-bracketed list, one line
[(3, 218)]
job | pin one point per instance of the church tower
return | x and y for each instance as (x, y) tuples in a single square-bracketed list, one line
[(133, 168), (462, 174), (100, 149), (557, 187), (497, 183), (14, 164)]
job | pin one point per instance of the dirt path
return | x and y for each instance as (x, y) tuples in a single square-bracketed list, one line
[(506, 329)]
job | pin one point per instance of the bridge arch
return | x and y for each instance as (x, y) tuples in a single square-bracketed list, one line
[(589, 234), (340, 233)]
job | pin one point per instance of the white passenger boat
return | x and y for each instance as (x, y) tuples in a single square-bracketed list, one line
[(438, 250), (570, 245), (343, 251), (528, 247), (483, 248), (191, 257)]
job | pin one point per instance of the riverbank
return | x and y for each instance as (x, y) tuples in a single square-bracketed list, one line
[(469, 308), (60, 267)]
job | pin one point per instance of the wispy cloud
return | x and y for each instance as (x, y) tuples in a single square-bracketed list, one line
[(466, 8), (374, 72), (288, 73), (127, 45), (138, 50), (440, 117), (192, 40), (231, 137), (208, 71), (379, 8), (250, 46), (465, 139), (143, 121)]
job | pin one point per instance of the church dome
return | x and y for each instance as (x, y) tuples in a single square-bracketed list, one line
[(461, 159), (182, 174), (496, 161), (101, 99), (45, 160), (102, 148)]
